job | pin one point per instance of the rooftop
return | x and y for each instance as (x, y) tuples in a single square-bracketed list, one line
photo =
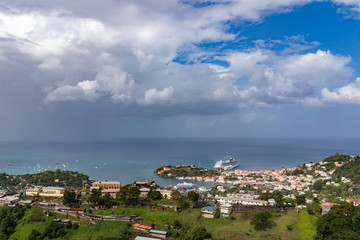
[(209, 208)]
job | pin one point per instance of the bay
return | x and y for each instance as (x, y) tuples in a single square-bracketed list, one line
[(127, 160)]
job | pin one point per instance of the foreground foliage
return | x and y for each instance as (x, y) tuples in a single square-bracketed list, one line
[(341, 222)]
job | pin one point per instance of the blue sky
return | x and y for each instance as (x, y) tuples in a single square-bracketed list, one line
[(105, 70)]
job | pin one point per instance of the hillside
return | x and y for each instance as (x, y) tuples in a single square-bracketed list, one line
[(56, 178)]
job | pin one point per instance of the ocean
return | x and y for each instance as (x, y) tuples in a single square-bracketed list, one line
[(127, 160)]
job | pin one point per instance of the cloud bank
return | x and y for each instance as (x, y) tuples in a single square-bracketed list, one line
[(126, 53)]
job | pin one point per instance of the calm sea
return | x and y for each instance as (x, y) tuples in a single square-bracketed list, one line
[(130, 159)]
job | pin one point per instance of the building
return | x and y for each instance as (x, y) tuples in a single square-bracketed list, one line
[(209, 212), (112, 192), (142, 183), (271, 202), (52, 192), (144, 192), (326, 206), (106, 185), (146, 238), (32, 192), (158, 234), (242, 201), (225, 210), (45, 192), (142, 227), (165, 193)]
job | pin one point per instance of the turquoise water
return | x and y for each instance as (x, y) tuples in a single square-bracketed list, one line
[(131, 159)]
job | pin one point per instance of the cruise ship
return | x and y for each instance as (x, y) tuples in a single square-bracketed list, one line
[(226, 165)]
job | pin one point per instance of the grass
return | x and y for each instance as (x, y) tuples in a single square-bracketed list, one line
[(306, 225), (236, 227), (220, 228)]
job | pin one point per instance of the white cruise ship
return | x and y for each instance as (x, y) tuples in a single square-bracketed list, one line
[(226, 165)]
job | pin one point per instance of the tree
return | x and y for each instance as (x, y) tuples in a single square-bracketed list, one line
[(95, 197), (129, 195), (155, 195), (69, 197), (193, 196), (265, 196), (177, 224), (106, 201), (176, 195), (34, 234), (301, 199), (262, 221), (318, 185), (341, 222), (279, 198), (199, 233)]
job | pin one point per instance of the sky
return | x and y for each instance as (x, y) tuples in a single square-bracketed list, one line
[(105, 70)]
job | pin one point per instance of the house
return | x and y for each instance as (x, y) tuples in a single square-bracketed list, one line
[(142, 227), (209, 212), (106, 185), (142, 183), (165, 193), (225, 210), (158, 234), (144, 192), (326, 206), (112, 192)]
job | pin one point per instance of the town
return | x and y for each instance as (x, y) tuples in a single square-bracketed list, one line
[(150, 211)]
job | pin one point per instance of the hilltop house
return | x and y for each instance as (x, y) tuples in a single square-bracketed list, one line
[(209, 212)]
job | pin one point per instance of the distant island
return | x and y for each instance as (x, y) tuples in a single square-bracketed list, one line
[(186, 171)]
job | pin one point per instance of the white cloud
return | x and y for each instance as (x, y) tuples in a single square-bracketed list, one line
[(348, 94), (274, 79), (85, 90), (153, 95)]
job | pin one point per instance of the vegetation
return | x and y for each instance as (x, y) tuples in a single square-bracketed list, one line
[(199, 233), (56, 178), (96, 200), (129, 195), (193, 196), (341, 222), (262, 221), (9, 218), (69, 198), (349, 170)]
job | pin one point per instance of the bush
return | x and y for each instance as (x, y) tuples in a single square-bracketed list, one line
[(262, 221), (289, 227)]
